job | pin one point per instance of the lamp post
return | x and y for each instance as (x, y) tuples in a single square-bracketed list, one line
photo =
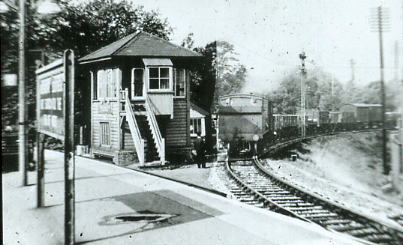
[(44, 7)]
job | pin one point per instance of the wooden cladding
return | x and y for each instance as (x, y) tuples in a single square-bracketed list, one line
[(176, 132), (105, 112)]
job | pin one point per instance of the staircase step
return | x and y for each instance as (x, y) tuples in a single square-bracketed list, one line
[(150, 148), (151, 152)]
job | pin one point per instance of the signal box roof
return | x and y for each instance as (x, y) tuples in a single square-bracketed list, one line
[(139, 44)]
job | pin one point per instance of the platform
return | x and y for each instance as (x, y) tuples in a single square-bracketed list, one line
[(115, 205)]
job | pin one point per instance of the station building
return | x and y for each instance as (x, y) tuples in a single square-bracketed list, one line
[(139, 109)]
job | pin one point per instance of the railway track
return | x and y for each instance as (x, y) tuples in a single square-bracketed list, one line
[(251, 183)]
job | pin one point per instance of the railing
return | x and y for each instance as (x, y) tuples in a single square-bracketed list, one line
[(134, 129), (122, 99), (159, 141)]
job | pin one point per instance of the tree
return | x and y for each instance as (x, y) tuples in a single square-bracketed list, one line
[(322, 91), (88, 26), (188, 42), (84, 28), (220, 73), (231, 75), (9, 62)]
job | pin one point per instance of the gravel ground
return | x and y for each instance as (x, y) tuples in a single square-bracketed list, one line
[(339, 170)]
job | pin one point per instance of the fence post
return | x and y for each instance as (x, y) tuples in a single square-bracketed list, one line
[(40, 165), (69, 164)]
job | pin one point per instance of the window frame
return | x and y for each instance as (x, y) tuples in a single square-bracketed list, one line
[(103, 134), (176, 71), (94, 82), (132, 96), (105, 87), (170, 78), (192, 124)]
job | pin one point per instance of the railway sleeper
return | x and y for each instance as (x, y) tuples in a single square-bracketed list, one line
[(298, 202), (297, 205), (235, 191), (279, 193), (286, 198), (253, 203), (319, 217), (365, 232), (241, 194), (268, 190), (312, 211), (264, 187), (381, 239), (273, 196), (276, 189), (260, 181), (336, 222), (306, 208), (348, 226), (244, 199)]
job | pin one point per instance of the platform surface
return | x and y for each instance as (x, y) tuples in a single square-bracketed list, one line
[(115, 205)]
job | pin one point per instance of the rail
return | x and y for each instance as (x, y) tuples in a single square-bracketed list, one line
[(266, 201), (285, 198), (134, 128), (380, 225), (156, 133)]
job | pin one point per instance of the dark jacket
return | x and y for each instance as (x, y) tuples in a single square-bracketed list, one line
[(201, 150)]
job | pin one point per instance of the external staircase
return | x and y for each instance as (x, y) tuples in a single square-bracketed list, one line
[(146, 135)]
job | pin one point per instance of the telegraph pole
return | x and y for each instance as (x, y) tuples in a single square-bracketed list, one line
[(379, 25), (302, 56), (352, 64)]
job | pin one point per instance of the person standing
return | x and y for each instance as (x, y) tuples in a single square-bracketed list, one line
[(198, 152), (203, 153)]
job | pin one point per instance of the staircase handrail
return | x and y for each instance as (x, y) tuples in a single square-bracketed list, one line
[(159, 140), (134, 129)]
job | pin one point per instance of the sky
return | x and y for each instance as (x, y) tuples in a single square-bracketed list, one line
[(269, 35)]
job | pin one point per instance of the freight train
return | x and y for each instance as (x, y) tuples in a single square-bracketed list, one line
[(247, 124)]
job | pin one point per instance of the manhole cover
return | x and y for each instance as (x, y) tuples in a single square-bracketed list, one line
[(143, 217)]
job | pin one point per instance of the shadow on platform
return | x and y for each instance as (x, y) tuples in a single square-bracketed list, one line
[(151, 210)]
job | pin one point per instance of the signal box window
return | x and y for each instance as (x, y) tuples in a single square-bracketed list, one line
[(137, 82), (107, 82), (180, 82), (94, 85), (159, 78)]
